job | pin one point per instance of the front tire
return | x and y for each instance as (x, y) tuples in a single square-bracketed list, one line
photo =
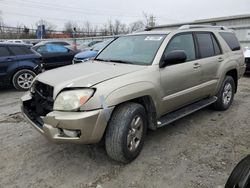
[(226, 94), (126, 132), (22, 79)]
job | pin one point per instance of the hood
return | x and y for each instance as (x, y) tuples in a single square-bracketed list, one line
[(85, 74), (86, 54)]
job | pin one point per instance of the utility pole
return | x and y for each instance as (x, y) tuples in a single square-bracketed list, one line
[(152, 21)]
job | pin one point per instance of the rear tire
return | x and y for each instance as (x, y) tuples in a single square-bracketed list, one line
[(22, 79), (126, 132), (240, 176), (226, 94)]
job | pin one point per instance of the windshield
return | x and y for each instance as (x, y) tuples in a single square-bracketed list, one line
[(137, 49)]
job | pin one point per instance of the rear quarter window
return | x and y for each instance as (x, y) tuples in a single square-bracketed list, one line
[(20, 50), (231, 40)]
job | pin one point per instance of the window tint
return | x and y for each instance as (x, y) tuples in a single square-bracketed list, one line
[(231, 40), (217, 49), (42, 49), (20, 50), (205, 44), (4, 51), (53, 48), (60, 43), (182, 42)]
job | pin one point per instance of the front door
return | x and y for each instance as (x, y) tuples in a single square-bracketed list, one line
[(181, 82)]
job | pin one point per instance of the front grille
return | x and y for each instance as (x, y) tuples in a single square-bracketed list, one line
[(42, 97), (248, 62), (41, 103), (77, 60)]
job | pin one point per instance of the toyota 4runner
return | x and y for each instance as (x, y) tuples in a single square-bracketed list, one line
[(139, 81)]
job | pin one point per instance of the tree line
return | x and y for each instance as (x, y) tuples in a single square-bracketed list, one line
[(76, 29)]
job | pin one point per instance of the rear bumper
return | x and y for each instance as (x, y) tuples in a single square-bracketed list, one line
[(89, 126)]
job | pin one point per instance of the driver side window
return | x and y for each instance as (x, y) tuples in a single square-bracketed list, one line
[(182, 42)]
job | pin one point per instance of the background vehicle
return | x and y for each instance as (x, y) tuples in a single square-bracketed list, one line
[(247, 59), (18, 65), (87, 45), (89, 54), (55, 55), (58, 42), (140, 81), (16, 41)]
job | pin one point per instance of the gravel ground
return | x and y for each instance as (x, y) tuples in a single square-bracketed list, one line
[(197, 151)]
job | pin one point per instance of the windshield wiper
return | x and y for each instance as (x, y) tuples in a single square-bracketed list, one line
[(120, 61), (100, 59)]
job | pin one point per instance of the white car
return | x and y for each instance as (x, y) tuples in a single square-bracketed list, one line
[(16, 41)]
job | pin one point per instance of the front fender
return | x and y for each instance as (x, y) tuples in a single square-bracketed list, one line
[(133, 91), (122, 94)]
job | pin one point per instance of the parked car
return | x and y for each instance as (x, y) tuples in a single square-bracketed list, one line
[(87, 45), (140, 81), (247, 59), (90, 54), (58, 42), (18, 65), (19, 42), (16, 41), (55, 55)]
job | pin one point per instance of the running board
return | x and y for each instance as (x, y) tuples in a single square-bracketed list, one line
[(173, 116)]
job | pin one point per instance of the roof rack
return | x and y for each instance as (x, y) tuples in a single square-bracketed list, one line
[(202, 26)]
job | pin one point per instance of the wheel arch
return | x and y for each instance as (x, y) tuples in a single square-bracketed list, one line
[(234, 74)]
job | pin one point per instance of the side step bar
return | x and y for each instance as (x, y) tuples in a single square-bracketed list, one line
[(178, 114)]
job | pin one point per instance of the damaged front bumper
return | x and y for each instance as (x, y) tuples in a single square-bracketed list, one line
[(67, 127)]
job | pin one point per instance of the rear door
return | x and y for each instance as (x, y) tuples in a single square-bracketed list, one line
[(7, 59), (210, 57), (55, 55)]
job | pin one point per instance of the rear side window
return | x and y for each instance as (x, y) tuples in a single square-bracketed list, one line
[(4, 51), (217, 49), (20, 50), (231, 40), (205, 44)]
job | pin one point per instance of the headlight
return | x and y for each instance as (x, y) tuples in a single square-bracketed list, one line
[(32, 87), (72, 100)]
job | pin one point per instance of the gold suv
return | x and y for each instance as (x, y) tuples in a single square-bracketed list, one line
[(139, 81)]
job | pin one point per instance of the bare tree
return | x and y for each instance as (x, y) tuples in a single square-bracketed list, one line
[(110, 27), (136, 26), (71, 27)]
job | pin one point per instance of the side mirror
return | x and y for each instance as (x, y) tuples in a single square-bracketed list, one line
[(174, 57)]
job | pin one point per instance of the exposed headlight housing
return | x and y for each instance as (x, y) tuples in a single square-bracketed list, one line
[(32, 87), (72, 100)]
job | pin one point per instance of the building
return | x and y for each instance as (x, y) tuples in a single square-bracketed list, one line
[(240, 24)]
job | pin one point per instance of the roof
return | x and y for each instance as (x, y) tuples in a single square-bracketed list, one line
[(14, 44), (202, 21), (151, 33)]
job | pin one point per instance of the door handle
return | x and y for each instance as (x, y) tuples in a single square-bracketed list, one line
[(196, 66), (220, 59), (8, 59)]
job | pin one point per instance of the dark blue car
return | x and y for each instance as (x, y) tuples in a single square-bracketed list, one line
[(18, 65), (90, 54)]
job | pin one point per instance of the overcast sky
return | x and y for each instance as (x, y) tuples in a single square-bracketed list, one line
[(98, 12)]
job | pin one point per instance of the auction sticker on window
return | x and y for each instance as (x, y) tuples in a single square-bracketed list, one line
[(153, 38)]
